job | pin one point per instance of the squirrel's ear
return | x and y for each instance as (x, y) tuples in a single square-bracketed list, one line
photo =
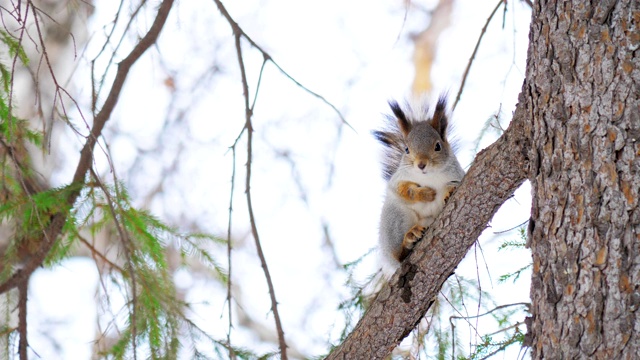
[(439, 121), (384, 137), (405, 125)]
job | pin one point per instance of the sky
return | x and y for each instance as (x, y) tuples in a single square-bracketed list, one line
[(310, 170)]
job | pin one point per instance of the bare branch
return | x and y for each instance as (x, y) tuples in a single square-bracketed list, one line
[(495, 174), (254, 229), (239, 32)]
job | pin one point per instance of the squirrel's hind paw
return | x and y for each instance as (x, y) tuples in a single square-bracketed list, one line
[(410, 239), (413, 236), (451, 187)]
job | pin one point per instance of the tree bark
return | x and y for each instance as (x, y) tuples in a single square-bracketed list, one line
[(585, 72)]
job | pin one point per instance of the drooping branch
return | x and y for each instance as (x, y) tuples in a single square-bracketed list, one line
[(399, 306), (254, 229), (57, 221), (238, 30)]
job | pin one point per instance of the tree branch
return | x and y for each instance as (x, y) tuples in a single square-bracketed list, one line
[(238, 30), (254, 228), (86, 155), (400, 305), (232, 354)]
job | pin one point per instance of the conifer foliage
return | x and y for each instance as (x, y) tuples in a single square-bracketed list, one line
[(45, 225)]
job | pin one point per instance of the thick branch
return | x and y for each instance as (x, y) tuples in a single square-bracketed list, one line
[(495, 174), (86, 155)]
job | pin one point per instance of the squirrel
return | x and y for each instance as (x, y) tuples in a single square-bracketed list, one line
[(421, 171)]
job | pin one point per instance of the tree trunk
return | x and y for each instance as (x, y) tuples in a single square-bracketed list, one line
[(583, 72)]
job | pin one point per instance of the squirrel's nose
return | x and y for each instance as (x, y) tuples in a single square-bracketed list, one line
[(421, 165)]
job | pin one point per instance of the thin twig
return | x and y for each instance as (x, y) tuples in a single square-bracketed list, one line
[(475, 254), (507, 328), (254, 229), (232, 354), (513, 228), (475, 329), (58, 88), (97, 254), (117, 47), (23, 179), (466, 310), (492, 310), (475, 50), (255, 96), (239, 32)]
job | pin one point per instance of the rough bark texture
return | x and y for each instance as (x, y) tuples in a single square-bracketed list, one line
[(583, 74), (496, 173)]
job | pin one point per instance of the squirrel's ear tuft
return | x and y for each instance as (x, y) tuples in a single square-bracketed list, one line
[(439, 121), (403, 123), (384, 137)]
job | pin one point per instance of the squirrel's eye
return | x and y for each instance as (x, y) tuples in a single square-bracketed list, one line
[(406, 150), (438, 146)]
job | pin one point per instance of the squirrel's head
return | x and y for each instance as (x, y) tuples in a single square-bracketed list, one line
[(425, 140)]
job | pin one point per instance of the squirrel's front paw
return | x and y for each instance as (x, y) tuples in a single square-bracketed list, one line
[(413, 236), (411, 191)]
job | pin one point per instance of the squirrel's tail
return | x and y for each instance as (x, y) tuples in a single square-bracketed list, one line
[(394, 146)]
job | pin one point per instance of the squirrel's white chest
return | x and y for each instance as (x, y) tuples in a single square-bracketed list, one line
[(437, 180)]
